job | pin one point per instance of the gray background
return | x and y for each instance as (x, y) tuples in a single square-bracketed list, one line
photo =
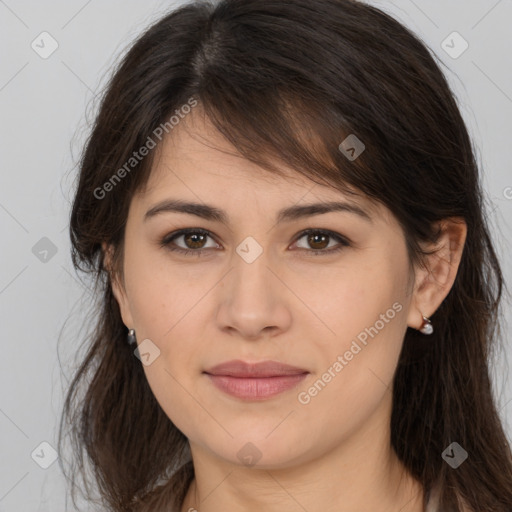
[(44, 103)]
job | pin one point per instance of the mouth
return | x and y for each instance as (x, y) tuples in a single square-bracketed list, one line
[(255, 381)]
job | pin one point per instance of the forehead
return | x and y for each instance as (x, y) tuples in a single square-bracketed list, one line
[(196, 157)]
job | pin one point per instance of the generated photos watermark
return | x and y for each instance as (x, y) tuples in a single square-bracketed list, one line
[(304, 397), (138, 156)]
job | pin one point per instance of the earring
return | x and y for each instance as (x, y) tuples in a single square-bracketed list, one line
[(426, 326), (131, 337)]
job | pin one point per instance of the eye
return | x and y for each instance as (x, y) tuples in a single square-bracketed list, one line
[(319, 240), (193, 238)]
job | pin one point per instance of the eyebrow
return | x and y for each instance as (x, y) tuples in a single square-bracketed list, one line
[(286, 214)]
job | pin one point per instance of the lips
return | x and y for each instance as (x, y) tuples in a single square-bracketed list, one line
[(242, 369), (255, 381)]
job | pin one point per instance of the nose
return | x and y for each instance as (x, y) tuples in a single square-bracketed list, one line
[(253, 300)]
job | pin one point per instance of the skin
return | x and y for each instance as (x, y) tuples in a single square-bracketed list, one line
[(333, 453)]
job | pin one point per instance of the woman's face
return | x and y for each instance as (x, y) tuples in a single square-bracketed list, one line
[(258, 292)]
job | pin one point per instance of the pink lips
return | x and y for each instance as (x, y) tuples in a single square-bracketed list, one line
[(255, 381)]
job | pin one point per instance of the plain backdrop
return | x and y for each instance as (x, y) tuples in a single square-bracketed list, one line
[(46, 108)]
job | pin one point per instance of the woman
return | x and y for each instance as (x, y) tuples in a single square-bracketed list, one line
[(282, 209)]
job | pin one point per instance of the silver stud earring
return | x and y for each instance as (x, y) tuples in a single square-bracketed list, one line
[(131, 339), (426, 326)]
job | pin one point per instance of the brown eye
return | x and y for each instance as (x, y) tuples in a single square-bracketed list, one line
[(319, 241), (193, 241)]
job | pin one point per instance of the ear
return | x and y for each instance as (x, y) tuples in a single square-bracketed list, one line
[(433, 283), (118, 288)]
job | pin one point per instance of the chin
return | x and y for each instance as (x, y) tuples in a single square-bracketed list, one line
[(264, 454)]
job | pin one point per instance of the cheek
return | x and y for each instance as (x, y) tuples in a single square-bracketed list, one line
[(161, 293), (345, 300), (167, 309), (354, 381)]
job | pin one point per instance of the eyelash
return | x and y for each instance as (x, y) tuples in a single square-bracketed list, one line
[(166, 241)]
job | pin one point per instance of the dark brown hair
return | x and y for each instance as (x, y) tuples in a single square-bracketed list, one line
[(288, 81)]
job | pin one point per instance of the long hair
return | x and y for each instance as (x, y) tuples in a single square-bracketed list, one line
[(287, 82)]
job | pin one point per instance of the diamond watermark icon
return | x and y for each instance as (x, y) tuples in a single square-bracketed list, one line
[(352, 147), (147, 352), (44, 250), (455, 45), (44, 455), (249, 250), (44, 45), (249, 455), (455, 455)]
